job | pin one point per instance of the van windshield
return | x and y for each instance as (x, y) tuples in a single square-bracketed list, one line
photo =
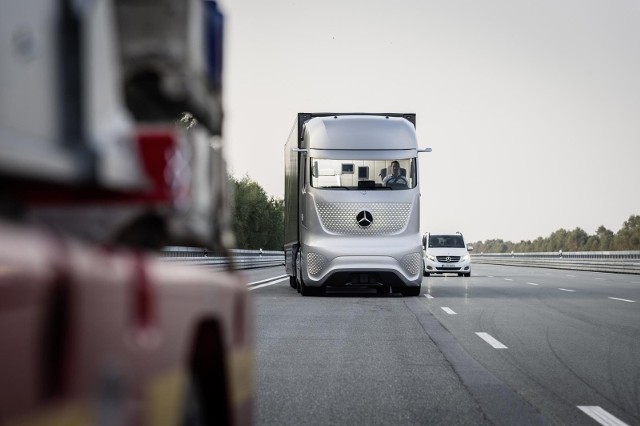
[(446, 241), (392, 174)]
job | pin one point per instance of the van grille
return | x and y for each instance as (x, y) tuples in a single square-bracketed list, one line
[(340, 218), (448, 259)]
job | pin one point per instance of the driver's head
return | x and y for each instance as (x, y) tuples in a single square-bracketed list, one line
[(395, 168)]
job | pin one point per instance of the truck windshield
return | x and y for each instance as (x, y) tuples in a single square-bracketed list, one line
[(392, 174)]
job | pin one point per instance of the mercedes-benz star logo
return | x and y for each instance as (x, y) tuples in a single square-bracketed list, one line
[(364, 218), (448, 259)]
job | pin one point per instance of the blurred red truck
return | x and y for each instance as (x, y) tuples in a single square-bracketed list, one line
[(110, 149)]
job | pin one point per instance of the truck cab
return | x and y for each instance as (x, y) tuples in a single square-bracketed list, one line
[(360, 227)]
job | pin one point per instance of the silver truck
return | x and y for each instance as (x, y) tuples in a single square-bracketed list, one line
[(352, 203)]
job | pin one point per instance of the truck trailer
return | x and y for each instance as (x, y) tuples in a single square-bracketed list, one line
[(352, 203)]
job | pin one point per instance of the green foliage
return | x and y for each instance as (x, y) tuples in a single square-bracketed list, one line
[(627, 238), (258, 220)]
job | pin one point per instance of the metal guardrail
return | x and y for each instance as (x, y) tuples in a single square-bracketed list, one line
[(238, 259), (627, 262)]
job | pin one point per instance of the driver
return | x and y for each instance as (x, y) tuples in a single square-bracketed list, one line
[(395, 178)]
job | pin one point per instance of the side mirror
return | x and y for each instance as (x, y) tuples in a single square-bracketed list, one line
[(469, 247)]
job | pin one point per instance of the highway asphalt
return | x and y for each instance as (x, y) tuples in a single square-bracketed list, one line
[(507, 345)]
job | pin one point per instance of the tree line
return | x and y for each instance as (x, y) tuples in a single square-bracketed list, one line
[(258, 220), (627, 238)]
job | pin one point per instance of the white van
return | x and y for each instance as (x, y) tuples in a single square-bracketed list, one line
[(446, 253)]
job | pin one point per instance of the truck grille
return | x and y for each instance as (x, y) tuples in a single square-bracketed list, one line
[(448, 259), (340, 218)]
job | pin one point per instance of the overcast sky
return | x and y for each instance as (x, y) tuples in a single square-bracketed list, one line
[(532, 108)]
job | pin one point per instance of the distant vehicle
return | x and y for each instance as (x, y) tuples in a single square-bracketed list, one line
[(352, 210), (446, 253)]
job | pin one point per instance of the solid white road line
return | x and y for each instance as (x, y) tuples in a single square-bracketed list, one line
[(622, 300), (491, 340), (601, 416), (428, 296), (448, 310), (533, 284), (268, 284), (566, 289), (267, 280)]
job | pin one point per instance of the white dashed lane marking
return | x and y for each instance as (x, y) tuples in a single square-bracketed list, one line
[(508, 279), (622, 300), (601, 416), (491, 340), (428, 296), (566, 289), (533, 284), (448, 310)]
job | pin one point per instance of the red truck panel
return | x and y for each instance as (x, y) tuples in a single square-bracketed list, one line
[(89, 335)]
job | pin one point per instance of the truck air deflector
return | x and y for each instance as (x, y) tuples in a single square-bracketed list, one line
[(359, 133), (303, 117), (350, 154)]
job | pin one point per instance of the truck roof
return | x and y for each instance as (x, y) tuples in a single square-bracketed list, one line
[(359, 132)]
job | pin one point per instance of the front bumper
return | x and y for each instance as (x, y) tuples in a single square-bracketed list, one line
[(435, 267), (402, 270)]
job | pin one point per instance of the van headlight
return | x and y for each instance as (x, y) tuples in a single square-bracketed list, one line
[(466, 257), (431, 257)]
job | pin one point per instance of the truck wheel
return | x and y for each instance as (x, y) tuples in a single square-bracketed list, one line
[(292, 282), (309, 291), (410, 291), (208, 400), (303, 289)]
